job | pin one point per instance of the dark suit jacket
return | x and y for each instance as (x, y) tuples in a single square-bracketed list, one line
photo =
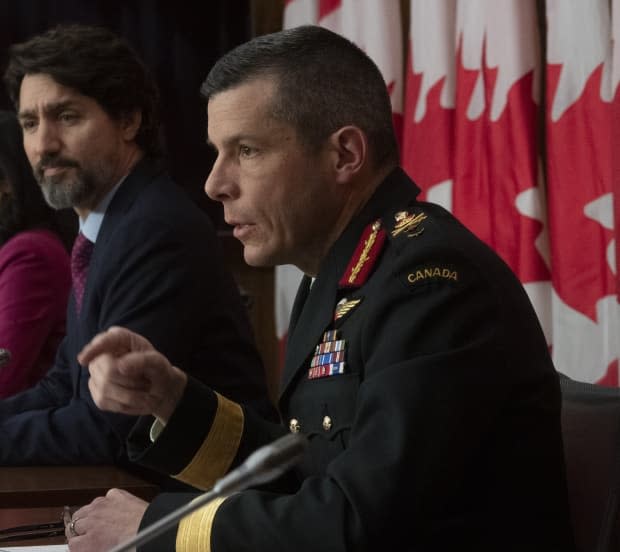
[(156, 268), (443, 432)]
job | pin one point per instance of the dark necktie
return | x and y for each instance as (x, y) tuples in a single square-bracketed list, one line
[(80, 257)]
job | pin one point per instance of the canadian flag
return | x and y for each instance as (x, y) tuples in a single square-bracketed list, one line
[(470, 138), (472, 141), (581, 87), (428, 144), (375, 26)]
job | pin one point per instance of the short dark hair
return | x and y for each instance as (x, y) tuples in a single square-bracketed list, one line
[(24, 208), (324, 82), (96, 63)]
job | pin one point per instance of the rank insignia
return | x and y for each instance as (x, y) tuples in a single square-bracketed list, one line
[(345, 306), (408, 224), (365, 255), (328, 359)]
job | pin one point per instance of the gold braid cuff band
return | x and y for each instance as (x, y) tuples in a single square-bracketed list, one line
[(194, 534), (215, 455)]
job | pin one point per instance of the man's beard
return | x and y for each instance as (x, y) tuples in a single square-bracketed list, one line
[(63, 191)]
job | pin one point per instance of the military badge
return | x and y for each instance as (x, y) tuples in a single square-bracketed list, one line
[(408, 224), (328, 359), (345, 306)]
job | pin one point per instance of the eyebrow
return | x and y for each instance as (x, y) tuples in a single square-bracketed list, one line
[(234, 140), (51, 108)]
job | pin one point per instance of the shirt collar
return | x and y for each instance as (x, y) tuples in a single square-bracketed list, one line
[(92, 224)]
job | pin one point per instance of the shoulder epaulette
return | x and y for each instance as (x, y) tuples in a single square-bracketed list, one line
[(365, 256)]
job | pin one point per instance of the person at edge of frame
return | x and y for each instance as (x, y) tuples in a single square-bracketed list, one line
[(35, 275)]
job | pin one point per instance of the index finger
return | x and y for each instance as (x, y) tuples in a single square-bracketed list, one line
[(115, 341)]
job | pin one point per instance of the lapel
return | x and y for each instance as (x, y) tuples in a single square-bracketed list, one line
[(135, 182), (310, 318), (314, 317), (124, 198), (300, 301)]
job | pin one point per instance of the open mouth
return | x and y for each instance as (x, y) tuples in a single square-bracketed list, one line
[(242, 230)]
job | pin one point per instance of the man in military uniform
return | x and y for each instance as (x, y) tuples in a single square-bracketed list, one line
[(415, 363)]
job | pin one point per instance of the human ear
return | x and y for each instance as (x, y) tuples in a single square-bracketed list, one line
[(130, 124), (349, 146)]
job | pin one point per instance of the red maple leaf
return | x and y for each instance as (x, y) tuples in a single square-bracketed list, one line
[(578, 173)]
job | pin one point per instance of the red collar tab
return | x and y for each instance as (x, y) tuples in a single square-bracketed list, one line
[(365, 256)]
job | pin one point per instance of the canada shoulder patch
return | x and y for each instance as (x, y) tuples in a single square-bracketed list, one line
[(430, 273)]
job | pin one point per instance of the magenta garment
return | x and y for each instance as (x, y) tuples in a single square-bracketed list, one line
[(35, 279)]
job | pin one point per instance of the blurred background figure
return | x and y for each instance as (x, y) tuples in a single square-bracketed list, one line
[(35, 275)]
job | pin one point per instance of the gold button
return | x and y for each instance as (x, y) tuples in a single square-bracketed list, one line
[(327, 423), (294, 426)]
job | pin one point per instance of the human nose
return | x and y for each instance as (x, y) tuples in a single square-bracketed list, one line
[(222, 182), (41, 141)]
